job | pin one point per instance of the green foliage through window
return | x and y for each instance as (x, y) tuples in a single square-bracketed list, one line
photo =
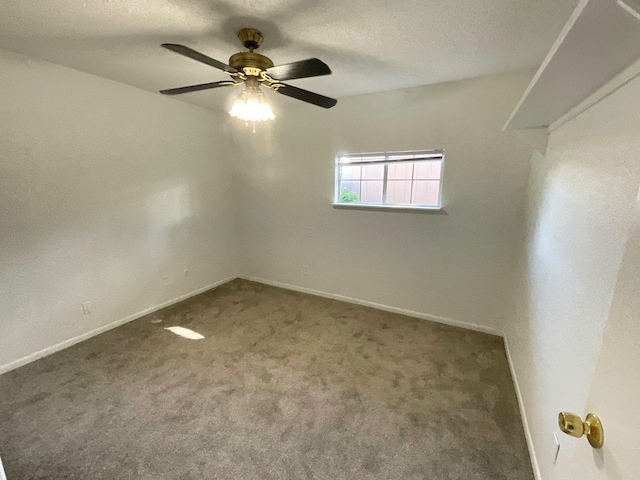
[(347, 196)]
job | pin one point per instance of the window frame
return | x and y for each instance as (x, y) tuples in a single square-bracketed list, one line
[(384, 159)]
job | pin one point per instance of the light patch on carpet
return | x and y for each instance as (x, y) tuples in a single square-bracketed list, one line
[(185, 333)]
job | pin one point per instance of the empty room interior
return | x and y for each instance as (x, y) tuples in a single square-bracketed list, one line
[(328, 240)]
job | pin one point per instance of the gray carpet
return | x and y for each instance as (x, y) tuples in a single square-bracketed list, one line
[(283, 386)]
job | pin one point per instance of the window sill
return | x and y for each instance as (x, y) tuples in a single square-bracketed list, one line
[(390, 208)]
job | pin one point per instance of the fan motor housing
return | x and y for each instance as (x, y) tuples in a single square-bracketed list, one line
[(250, 59)]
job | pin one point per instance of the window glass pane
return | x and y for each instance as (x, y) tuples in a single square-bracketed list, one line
[(425, 192), (350, 173), (401, 178), (428, 170), (371, 191), (372, 172), (399, 191), (349, 192), (401, 171)]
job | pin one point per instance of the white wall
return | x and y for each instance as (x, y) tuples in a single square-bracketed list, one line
[(458, 265), (580, 203), (104, 189)]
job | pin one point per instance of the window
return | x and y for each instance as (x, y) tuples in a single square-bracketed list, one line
[(390, 179)]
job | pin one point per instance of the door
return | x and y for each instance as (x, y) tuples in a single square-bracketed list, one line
[(615, 390)]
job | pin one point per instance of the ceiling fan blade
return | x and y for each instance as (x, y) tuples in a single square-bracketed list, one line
[(307, 96), (302, 69), (200, 57), (196, 88)]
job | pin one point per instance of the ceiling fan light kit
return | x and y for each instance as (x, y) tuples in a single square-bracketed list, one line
[(254, 70), (252, 105)]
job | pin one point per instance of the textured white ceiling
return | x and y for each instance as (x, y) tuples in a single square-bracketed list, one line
[(370, 45)]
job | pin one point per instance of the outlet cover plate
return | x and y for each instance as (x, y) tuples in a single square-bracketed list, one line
[(86, 308)]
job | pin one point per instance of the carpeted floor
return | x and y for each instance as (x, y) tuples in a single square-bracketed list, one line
[(283, 386)]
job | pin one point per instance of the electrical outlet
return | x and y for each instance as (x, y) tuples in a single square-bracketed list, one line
[(166, 280), (556, 447), (305, 270), (87, 308)]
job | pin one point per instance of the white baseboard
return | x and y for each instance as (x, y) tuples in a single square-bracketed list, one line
[(525, 422), (379, 306), (85, 336)]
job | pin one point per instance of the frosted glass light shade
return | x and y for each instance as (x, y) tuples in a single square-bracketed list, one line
[(252, 106)]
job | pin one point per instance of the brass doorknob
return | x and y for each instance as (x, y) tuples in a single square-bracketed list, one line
[(572, 424)]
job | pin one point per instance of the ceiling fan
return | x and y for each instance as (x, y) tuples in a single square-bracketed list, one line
[(253, 70)]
